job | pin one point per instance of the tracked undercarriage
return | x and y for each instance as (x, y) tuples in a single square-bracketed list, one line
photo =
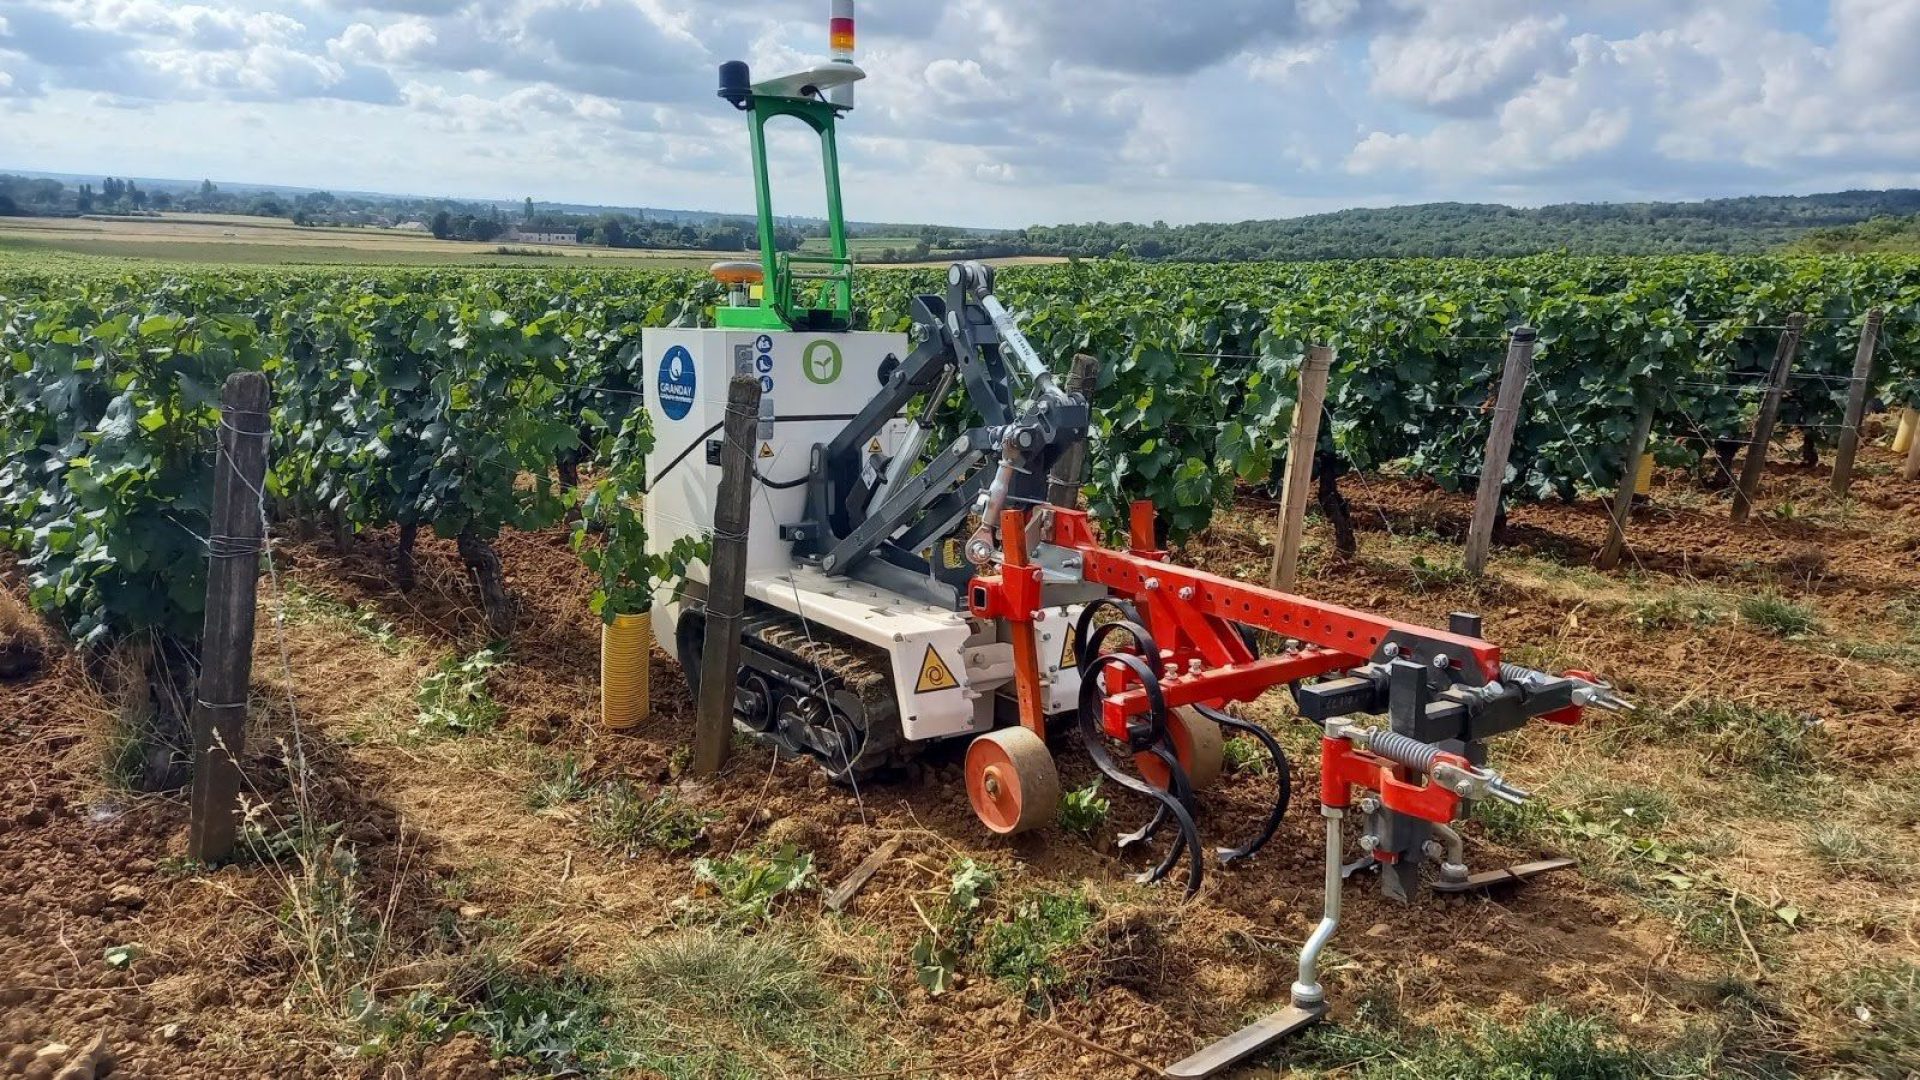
[(807, 690)]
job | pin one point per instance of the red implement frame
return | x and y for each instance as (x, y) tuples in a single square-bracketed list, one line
[(1343, 768), (1191, 615)]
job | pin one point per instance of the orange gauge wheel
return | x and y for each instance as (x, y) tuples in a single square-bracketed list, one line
[(1011, 781), (1196, 742)]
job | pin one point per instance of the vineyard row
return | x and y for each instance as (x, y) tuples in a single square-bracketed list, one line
[(469, 402)]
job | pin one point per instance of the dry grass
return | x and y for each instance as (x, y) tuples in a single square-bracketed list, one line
[(23, 645)]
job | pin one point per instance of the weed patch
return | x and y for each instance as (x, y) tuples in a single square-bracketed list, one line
[(1547, 1043), (1242, 754), (454, 699), (563, 782), (1024, 949), (1436, 574), (623, 819), (950, 931), (1885, 1007), (748, 885), (1082, 810), (336, 947), (1676, 610), (1778, 615), (1770, 743), (305, 604), (717, 1003), (560, 1024)]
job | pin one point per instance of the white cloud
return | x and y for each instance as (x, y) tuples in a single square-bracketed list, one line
[(1721, 91), (987, 111), (1468, 73)]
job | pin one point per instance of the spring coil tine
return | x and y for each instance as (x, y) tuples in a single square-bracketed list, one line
[(1182, 787), (1281, 769), (1144, 832), (1095, 739), (1083, 626), (1178, 780), (1090, 644)]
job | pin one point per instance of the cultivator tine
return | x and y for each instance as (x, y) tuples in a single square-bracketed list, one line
[(1182, 798), (1177, 780), (1281, 772), (1170, 803), (1506, 875), (1144, 832)]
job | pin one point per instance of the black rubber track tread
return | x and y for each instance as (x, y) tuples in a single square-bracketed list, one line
[(862, 670)]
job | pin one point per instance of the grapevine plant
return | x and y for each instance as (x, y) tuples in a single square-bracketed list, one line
[(469, 402), (610, 536), (109, 421)]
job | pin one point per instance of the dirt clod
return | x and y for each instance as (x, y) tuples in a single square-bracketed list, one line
[(463, 1058), (93, 1062)]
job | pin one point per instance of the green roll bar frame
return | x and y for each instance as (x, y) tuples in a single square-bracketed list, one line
[(786, 275)]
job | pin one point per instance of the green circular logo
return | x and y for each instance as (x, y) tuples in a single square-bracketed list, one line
[(821, 361)]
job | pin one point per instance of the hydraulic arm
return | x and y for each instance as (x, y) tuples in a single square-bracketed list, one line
[(869, 515)]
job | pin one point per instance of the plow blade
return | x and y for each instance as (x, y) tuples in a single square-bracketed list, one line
[(1506, 875), (1246, 1042)]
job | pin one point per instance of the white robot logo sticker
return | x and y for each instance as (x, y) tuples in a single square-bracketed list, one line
[(676, 383)]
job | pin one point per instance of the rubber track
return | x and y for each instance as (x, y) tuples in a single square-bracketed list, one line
[(861, 669)]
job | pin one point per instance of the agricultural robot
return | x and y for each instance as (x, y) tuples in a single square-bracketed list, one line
[(909, 581)]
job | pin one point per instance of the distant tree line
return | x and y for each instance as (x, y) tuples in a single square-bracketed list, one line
[(622, 230), (1847, 220), (445, 218), (1880, 234), (1752, 223), (38, 197)]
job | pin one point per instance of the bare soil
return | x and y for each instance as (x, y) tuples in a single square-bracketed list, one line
[(455, 858)]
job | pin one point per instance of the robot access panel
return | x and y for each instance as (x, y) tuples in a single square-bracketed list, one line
[(944, 669)]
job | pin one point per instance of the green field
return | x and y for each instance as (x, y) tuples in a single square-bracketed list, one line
[(215, 240), (222, 240), (860, 245)]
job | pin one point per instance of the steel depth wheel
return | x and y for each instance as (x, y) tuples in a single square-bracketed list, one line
[(1011, 781), (1198, 745)]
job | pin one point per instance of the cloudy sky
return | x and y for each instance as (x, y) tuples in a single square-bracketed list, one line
[(983, 112)]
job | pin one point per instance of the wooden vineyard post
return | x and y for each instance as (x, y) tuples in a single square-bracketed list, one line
[(1755, 464), (1912, 469), (726, 578), (1493, 474), (1063, 488), (1623, 495), (226, 639), (1300, 450), (1856, 403)]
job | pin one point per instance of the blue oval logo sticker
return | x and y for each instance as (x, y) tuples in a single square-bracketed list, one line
[(676, 383)]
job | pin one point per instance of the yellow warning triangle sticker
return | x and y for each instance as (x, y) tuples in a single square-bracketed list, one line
[(766, 450), (934, 674), (1070, 652), (873, 447)]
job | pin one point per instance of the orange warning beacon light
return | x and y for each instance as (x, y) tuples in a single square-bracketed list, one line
[(840, 48)]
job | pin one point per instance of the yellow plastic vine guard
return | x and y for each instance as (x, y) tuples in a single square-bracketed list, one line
[(1903, 438), (626, 647)]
